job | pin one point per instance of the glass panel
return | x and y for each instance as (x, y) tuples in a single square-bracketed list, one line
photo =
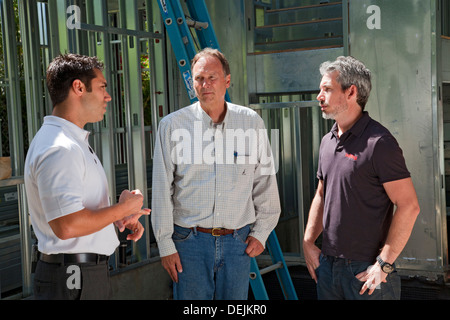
[(445, 25), (113, 10), (300, 130), (446, 113), (287, 25)]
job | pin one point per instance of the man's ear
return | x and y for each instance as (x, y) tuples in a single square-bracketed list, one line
[(78, 87), (352, 92)]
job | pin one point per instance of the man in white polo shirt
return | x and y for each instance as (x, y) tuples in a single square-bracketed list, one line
[(67, 189)]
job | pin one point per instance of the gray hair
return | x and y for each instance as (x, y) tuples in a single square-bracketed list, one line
[(351, 72), (213, 53)]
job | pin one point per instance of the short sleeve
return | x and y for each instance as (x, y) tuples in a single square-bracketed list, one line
[(59, 176), (388, 161)]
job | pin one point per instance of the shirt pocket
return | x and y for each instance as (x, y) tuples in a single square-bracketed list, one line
[(242, 171)]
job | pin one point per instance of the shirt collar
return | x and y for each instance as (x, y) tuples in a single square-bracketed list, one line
[(67, 126), (203, 116), (357, 129), (360, 125)]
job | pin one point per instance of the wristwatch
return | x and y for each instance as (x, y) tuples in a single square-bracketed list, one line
[(386, 267)]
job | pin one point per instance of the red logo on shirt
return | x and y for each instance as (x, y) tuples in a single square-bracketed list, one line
[(351, 156)]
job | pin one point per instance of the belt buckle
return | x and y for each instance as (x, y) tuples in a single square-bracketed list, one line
[(215, 229)]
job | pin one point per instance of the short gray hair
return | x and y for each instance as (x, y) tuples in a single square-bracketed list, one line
[(213, 53), (351, 72)]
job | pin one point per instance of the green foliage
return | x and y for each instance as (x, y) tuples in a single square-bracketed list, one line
[(146, 94), (17, 52)]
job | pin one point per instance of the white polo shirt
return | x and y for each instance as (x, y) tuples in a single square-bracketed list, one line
[(62, 176)]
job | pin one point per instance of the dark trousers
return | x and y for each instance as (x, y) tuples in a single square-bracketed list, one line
[(87, 281), (336, 281)]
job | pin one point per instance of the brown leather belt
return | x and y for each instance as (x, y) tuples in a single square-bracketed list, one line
[(216, 232)]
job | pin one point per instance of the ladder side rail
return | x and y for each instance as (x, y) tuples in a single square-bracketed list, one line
[(256, 282), (183, 51), (180, 20), (283, 275), (206, 36), (199, 12)]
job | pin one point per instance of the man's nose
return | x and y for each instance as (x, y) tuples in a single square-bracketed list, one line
[(320, 96), (206, 83)]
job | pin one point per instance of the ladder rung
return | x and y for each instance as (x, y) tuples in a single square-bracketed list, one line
[(268, 269), (197, 24), (283, 276), (273, 267)]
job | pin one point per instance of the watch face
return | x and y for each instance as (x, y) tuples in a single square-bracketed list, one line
[(387, 268)]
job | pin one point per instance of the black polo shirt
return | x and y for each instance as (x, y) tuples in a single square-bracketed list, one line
[(357, 210)]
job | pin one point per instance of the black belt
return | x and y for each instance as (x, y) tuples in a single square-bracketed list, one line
[(67, 258)]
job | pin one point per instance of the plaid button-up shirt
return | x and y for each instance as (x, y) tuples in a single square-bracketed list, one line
[(213, 175)]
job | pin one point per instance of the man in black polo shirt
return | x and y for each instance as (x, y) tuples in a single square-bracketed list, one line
[(362, 175)]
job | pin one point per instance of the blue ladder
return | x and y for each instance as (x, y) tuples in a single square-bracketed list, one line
[(180, 36), (183, 46), (279, 265)]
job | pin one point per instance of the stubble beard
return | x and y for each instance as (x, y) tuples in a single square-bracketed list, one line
[(337, 110)]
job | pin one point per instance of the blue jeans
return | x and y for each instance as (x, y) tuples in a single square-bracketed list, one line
[(213, 267), (336, 281)]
